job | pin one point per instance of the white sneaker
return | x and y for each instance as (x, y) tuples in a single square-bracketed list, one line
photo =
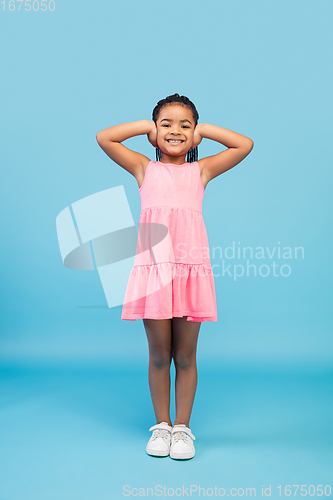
[(181, 442), (159, 443)]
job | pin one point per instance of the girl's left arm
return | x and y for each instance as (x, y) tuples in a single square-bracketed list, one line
[(239, 146)]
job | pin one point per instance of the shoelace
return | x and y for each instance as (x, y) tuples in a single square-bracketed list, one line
[(161, 433), (181, 435)]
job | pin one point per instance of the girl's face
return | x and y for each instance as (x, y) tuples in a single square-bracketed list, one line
[(175, 128)]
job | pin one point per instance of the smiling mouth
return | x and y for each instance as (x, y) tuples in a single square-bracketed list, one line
[(174, 141)]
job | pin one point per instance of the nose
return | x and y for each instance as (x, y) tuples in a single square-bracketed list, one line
[(175, 130)]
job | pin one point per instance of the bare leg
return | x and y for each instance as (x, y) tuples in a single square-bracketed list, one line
[(184, 346), (159, 335)]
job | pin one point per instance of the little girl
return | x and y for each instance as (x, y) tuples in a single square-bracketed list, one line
[(171, 285)]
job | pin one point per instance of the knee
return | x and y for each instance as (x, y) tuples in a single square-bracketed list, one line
[(184, 361), (160, 359)]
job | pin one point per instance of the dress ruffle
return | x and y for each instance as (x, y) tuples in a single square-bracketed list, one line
[(167, 290)]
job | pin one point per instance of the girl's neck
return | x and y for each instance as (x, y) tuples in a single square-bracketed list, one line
[(176, 160)]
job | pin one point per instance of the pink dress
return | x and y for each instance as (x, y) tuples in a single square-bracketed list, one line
[(172, 274)]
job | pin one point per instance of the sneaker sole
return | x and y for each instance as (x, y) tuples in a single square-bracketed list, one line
[(182, 456), (155, 453)]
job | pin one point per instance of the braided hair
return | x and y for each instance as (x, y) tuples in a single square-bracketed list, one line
[(192, 154)]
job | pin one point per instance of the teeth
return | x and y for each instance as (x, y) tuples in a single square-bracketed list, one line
[(170, 140)]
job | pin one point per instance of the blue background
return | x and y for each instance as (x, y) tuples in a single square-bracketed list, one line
[(75, 407)]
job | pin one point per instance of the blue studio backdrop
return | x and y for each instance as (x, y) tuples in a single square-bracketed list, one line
[(75, 407)]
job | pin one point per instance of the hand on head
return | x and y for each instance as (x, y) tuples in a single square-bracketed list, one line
[(152, 135), (197, 138)]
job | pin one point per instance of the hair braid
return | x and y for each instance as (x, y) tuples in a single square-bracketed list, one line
[(192, 154)]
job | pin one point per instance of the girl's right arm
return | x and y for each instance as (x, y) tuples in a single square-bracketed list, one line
[(110, 140)]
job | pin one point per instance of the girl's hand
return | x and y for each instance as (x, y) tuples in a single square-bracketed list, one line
[(197, 138), (152, 134)]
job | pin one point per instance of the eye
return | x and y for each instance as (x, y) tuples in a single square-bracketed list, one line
[(167, 125)]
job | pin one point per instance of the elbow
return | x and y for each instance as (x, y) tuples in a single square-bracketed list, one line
[(247, 147), (251, 144), (101, 137), (247, 144), (98, 137)]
